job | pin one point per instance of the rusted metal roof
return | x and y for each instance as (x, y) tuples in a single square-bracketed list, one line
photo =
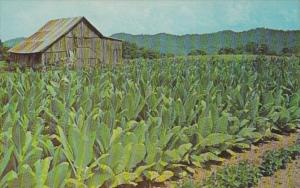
[(49, 34)]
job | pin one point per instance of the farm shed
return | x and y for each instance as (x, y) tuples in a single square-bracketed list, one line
[(67, 40)]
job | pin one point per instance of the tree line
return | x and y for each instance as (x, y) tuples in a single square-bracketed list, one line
[(250, 48), (132, 51), (3, 52)]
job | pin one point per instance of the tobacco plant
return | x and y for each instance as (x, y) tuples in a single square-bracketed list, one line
[(142, 121)]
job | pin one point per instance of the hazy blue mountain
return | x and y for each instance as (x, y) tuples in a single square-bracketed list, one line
[(212, 42), (12, 42)]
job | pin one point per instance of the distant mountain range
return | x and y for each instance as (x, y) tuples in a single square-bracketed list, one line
[(12, 42), (211, 42)]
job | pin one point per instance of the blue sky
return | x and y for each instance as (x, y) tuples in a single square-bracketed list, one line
[(23, 18)]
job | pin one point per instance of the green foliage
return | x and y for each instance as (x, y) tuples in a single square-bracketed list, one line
[(226, 50), (243, 174), (3, 52), (291, 51), (249, 48), (132, 51), (197, 52), (263, 49), (187, 182), (212, 42), (144, 121), (278, 159)]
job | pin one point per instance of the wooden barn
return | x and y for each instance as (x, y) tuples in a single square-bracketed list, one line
[(68, 40)]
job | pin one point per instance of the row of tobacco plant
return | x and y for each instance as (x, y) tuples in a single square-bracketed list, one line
[(142, 121)]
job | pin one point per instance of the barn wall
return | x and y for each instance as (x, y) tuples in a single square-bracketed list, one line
[(26, 59), (83, 46)]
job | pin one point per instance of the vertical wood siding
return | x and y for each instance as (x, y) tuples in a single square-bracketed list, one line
[(88, 48), (26, 59)]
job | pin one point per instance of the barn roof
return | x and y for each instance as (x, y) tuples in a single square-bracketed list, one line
[(50, 33)]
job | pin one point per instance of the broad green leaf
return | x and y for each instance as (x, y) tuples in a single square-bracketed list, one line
[(140, 169), (4, 161), (51, 90), (129, 138), (130, 125), (205, 126), (137, 155), (11, 175), (58, 174), (171, 156), (250, 133), (216, 139), (116, 135), (164, 176), (99, 178), (25, 178), (151, 175), (153, 153), (41, 171), (124, 178), (222, 124), (115, 160), (66, 147), (103, 137)]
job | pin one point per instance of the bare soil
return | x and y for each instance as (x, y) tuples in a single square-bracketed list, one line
[(285, 178), (254, 155)]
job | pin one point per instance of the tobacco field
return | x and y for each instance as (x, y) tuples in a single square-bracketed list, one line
[(145, 121)]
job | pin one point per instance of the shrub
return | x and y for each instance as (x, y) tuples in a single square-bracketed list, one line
[(277, 159), (240, 175)]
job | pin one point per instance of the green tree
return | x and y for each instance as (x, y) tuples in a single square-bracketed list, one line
[(226, 50), (251, 47), (129, 50), (1, 49), (3, 52), (286, 51), (239, 50), (272, 52), (132, 51), (263, 49), (197, 52)]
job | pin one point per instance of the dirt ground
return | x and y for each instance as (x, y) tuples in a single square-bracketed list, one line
[(288, 178), (285, 178)]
